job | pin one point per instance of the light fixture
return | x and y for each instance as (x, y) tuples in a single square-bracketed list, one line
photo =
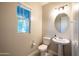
[(59, 10), (62, 7)]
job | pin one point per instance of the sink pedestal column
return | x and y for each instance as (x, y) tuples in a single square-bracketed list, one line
[(60, 50)]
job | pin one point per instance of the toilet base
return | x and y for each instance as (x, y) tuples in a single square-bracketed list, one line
[(46, 54), (43, 53)]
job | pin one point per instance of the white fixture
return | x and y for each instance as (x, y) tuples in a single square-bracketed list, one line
[(60, 42), (43, 47)]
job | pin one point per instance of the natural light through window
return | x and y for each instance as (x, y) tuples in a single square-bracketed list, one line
[(23, 19)]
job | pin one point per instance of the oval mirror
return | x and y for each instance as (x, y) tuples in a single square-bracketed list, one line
[(62, 22)]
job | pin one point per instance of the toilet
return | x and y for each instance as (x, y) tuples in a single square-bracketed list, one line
[(43, 47)]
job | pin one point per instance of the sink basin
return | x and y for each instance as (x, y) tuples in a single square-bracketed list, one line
[(60, 41)]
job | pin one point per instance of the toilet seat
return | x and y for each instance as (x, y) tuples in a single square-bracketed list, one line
[(43, 47)]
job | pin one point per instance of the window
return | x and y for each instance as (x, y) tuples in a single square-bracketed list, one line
[(23, 19)]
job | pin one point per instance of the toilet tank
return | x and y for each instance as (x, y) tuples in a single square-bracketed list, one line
[(46, 40)]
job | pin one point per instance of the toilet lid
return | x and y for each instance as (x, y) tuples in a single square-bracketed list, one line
[(42, 47)]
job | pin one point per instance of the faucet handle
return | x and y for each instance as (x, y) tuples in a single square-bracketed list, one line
[(55, 35)]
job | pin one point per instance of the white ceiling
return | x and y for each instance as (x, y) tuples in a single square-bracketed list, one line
[(43, 3), (40, 3)]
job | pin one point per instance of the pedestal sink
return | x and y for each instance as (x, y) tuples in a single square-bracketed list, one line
[(60, 42)]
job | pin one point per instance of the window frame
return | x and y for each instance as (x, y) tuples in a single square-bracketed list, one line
[(29, 18)]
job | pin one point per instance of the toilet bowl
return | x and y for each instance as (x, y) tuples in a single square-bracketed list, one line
[(43, 47)]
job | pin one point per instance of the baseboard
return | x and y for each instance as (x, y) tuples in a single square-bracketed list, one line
[(4, 54), (34, 53)]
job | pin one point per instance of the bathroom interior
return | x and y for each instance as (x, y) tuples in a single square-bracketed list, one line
[(52, 29)]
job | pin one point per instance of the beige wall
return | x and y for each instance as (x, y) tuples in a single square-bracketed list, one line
[(49, 27), (13, 42)]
